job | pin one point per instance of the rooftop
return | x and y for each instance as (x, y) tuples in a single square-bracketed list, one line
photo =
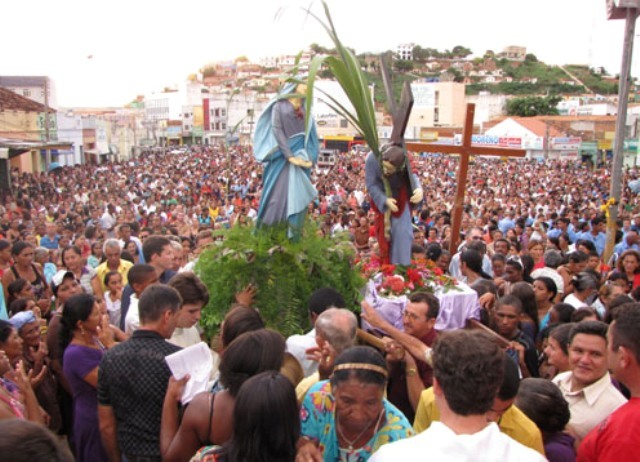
[(22, 81), (10, 101)]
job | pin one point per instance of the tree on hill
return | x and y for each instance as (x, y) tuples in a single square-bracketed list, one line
[(208, 71), (531, 58), (423, 54), (530, 106), (403, 65), (457, 75), (460, 52)]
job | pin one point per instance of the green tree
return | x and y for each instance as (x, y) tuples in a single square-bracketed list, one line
[(530, 106), (419, 54), (403, 65), (208, 71), (457, 75), (530, 58), (460, 51)]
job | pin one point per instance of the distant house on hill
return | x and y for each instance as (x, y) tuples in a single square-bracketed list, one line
[(513, 53)]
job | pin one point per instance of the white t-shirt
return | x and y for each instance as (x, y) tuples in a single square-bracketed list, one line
[(439, 442), (132, 320), (185, 336), (297, 345)]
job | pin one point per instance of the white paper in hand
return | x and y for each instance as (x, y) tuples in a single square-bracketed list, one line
[(196, 361)]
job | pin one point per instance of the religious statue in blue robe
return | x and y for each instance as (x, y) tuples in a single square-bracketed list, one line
[(288, 151)]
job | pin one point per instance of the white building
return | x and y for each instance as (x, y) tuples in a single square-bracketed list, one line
[(70, 129), (436, 104), (488, 106), (32, 87), (404, 51)]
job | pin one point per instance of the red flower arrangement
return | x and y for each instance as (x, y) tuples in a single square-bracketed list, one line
[(397, 280)]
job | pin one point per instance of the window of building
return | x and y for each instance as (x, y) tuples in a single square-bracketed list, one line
[(436, 115), (26, 92), (343, 123)]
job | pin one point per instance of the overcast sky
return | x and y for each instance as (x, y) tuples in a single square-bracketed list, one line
[(104, 53)]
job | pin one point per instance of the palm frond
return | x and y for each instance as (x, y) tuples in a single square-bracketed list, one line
[(346, 69)]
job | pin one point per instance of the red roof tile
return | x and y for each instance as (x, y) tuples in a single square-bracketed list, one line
[(10, 101)]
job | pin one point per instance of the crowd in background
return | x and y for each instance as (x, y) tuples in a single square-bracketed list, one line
[(97, 267)]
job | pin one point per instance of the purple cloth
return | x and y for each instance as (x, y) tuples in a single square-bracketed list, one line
[(390, 309), (78, 361), (456, 306), (559, 448)]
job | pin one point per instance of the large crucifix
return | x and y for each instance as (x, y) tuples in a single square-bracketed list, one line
[(465, 150)]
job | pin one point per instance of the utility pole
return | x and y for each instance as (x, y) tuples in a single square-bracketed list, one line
[(46, 122), (617, 9), (546, 140)]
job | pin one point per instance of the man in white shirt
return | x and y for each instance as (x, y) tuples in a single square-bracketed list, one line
[(194, 297), (587, 386), (140, 277), (474, 234), (468, 370)]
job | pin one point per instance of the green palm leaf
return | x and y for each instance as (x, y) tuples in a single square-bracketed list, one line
[(346, 69)]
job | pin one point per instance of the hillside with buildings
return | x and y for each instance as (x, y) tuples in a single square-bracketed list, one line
[(219, 105)]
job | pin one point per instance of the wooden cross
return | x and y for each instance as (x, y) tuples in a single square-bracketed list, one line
[(465, 150)]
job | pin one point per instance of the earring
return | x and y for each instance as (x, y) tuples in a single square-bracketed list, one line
[(81, 330)]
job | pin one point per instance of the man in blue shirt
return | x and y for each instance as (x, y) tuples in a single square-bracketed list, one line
[(50, 239), (630, 241), (507, 222), (597, 234), (562, 225)]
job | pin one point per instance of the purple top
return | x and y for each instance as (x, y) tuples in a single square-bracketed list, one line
[(78, 361), (558, 447)]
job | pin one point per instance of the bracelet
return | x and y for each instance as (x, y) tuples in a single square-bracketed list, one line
[(411, 372)]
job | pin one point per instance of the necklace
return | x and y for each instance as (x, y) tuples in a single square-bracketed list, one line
[(352, 442)]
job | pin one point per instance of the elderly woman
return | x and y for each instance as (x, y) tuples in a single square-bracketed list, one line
[(36, 361), (585, 284), (17, 399), (347, 417)]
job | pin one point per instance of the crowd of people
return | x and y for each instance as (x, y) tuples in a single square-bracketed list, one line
[(98, 287)]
